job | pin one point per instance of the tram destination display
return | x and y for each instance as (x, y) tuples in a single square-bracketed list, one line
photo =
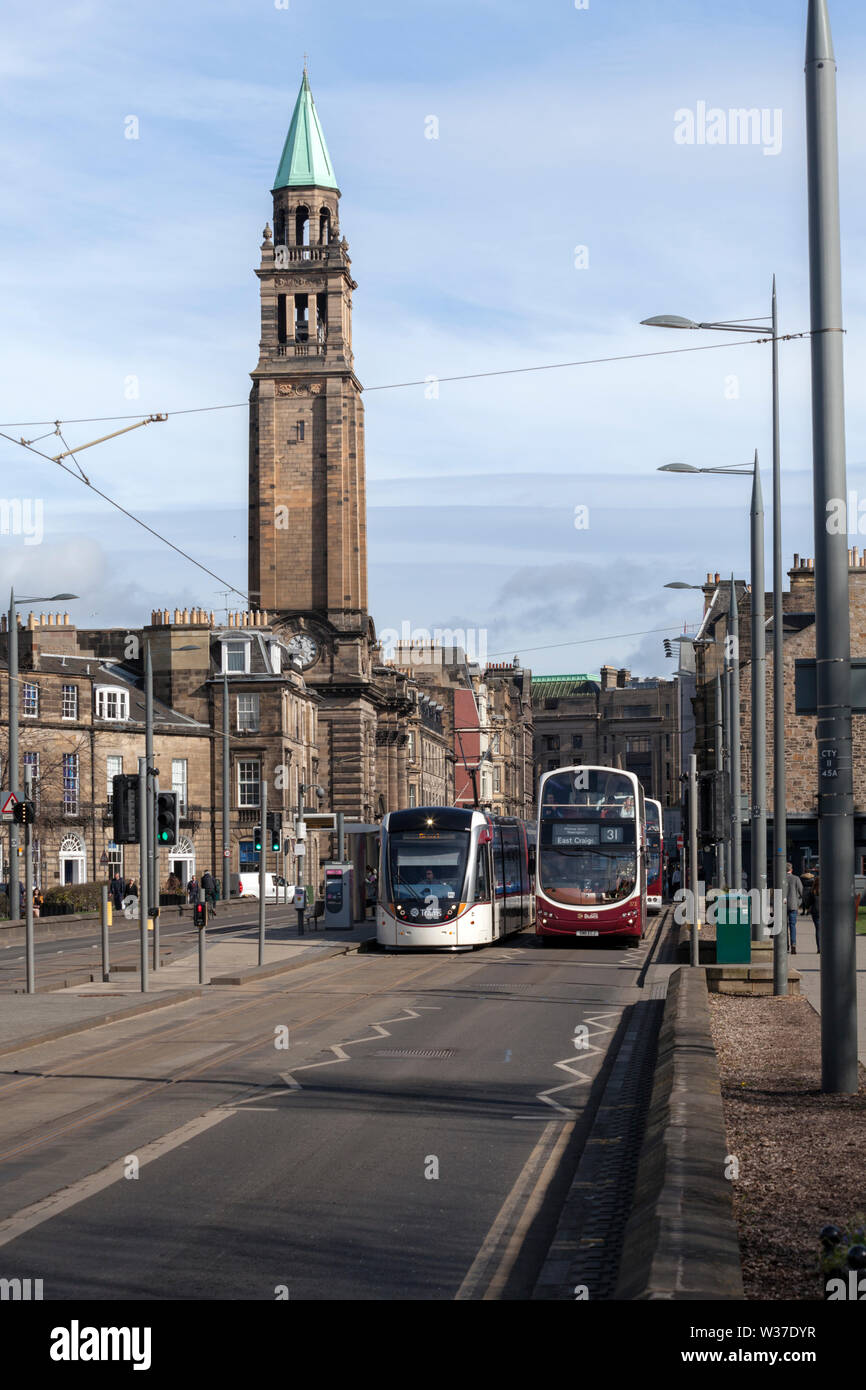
[(584, 833)]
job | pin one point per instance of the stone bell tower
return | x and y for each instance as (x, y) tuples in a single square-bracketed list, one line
[(307, 515)]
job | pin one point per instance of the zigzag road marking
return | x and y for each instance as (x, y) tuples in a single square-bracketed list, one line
[(568, 1065), (339, 1048)]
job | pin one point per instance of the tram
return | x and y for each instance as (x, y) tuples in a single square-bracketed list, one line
[(591, 869), (451, 879), (655, 855)]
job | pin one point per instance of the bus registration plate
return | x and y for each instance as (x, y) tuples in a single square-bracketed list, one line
[(586, 933)]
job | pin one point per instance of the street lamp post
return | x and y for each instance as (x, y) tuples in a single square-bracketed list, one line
[(780, 848), (13, 773)]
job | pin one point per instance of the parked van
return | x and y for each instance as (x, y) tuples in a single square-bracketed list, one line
[(277, 888)]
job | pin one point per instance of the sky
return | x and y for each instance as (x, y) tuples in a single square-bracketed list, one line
[(559, 204)]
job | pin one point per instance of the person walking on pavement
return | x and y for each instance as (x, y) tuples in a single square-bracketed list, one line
[(116, 889), (372, 890), (816, 908), (192, 889), (208, 883), (793, 902)]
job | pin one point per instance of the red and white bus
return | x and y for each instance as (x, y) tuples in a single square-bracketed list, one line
[(451, 878), (655, 855), (590, 873)]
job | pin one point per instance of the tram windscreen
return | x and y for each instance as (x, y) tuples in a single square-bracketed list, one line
[(587, 844), (427, 871)]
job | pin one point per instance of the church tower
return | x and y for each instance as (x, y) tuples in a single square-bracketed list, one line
[(307, 542)]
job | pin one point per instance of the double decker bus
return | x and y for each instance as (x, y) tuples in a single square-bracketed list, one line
[(655, 855), (591, 867), (451, 878)]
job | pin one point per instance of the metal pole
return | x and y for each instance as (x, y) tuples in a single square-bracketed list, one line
[(263, 858), (142, 863), (226, 793), (153, 893), (202, 931), (780, 823), (14, 784), (721, 844), (152, 857), (832, 622), (733, 643), (694, 872), (341, 838), (28, 887), (758, 876), (103, 920), (726, 785)]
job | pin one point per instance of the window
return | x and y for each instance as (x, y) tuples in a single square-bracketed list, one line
[(248, 859), (70, 784), (112, 702), (552, 743), (413, 795), (248, 713), (551, 704), (115, 859), (249, 776), (29, 699), (299, 431), (497, 779), (667, 741), (31, 760), (577, 740), (236, 656), (69, 702), (178, 783), (113, 768), (410, 749), (636, 712)]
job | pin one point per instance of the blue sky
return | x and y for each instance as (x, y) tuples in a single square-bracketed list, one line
[(133, 259)]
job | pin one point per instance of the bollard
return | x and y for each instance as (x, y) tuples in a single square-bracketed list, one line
[(200, 917), (105, 917)]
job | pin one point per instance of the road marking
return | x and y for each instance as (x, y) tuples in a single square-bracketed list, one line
[(530, 1211), (566, 1065), (49, 1207), (521, 1193)]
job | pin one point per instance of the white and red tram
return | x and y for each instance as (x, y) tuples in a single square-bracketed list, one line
[(655, 855)]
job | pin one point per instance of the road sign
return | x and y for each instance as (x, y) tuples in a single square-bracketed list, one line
[(8, 800), (300, 849), (320, 820), (226, 853), (103, 858)]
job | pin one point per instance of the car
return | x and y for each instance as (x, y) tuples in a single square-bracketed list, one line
[(277, 888)]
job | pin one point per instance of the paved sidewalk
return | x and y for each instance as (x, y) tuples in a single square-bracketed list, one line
[(808, 962), (27, 1020)]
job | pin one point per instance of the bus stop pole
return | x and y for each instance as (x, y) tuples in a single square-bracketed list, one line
[(693, 855), (103, 917)]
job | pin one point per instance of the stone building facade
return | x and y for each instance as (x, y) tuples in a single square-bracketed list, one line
[(614, 720), (801, 760)]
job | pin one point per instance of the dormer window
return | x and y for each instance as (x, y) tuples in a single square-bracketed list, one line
[(112, 703), (236, 657)]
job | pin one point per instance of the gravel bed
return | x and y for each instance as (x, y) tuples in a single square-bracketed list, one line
[(800, 1152)]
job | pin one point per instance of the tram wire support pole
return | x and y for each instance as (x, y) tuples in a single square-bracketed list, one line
[(694, 871), (758, 721), (263, 862), (143, 793), (780, 776), (28, 886), (839, 1062)]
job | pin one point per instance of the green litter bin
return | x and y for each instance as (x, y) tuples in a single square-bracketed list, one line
[(733, 929)]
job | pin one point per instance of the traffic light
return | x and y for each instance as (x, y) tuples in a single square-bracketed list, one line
[(257, 839), (200, 915), (166, 818), (23, 813), (275, 826), (124, 808)]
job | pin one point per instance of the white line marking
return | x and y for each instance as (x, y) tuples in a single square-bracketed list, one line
[(566, 1065), (58, 1202)]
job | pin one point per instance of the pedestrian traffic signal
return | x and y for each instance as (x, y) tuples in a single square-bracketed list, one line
[(275, 825), (166, 818), (124, 808), (22, 813), (200, 915), (257, 839)]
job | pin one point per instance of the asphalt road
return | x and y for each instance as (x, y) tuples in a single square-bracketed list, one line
[(414, 1140)]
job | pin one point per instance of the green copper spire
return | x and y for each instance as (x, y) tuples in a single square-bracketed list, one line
[(305, 158)]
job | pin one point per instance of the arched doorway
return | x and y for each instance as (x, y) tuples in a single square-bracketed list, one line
[(181, 860), (72, 859)]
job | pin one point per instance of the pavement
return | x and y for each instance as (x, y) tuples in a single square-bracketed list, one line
[(808, 962), (29, 1019)]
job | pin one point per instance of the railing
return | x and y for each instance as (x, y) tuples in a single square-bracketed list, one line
[(291, 255), (296, 349)]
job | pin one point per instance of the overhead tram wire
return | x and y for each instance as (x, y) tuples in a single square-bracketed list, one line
[(440, 380), (80, 478)]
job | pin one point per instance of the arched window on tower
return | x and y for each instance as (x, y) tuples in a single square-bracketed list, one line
[(302, 226), (324, 226)]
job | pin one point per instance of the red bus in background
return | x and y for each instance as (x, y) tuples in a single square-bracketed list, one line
[(655, 855), (590, 875)]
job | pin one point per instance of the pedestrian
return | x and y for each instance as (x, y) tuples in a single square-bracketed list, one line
[(793, 902), (816, 908), (116, 889), (676, 880), (372, 890), (208, 883), (192, 889)]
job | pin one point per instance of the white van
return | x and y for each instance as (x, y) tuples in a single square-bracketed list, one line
[(277, 889)]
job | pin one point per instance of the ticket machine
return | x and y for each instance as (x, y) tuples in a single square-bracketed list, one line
[(338, 896)]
